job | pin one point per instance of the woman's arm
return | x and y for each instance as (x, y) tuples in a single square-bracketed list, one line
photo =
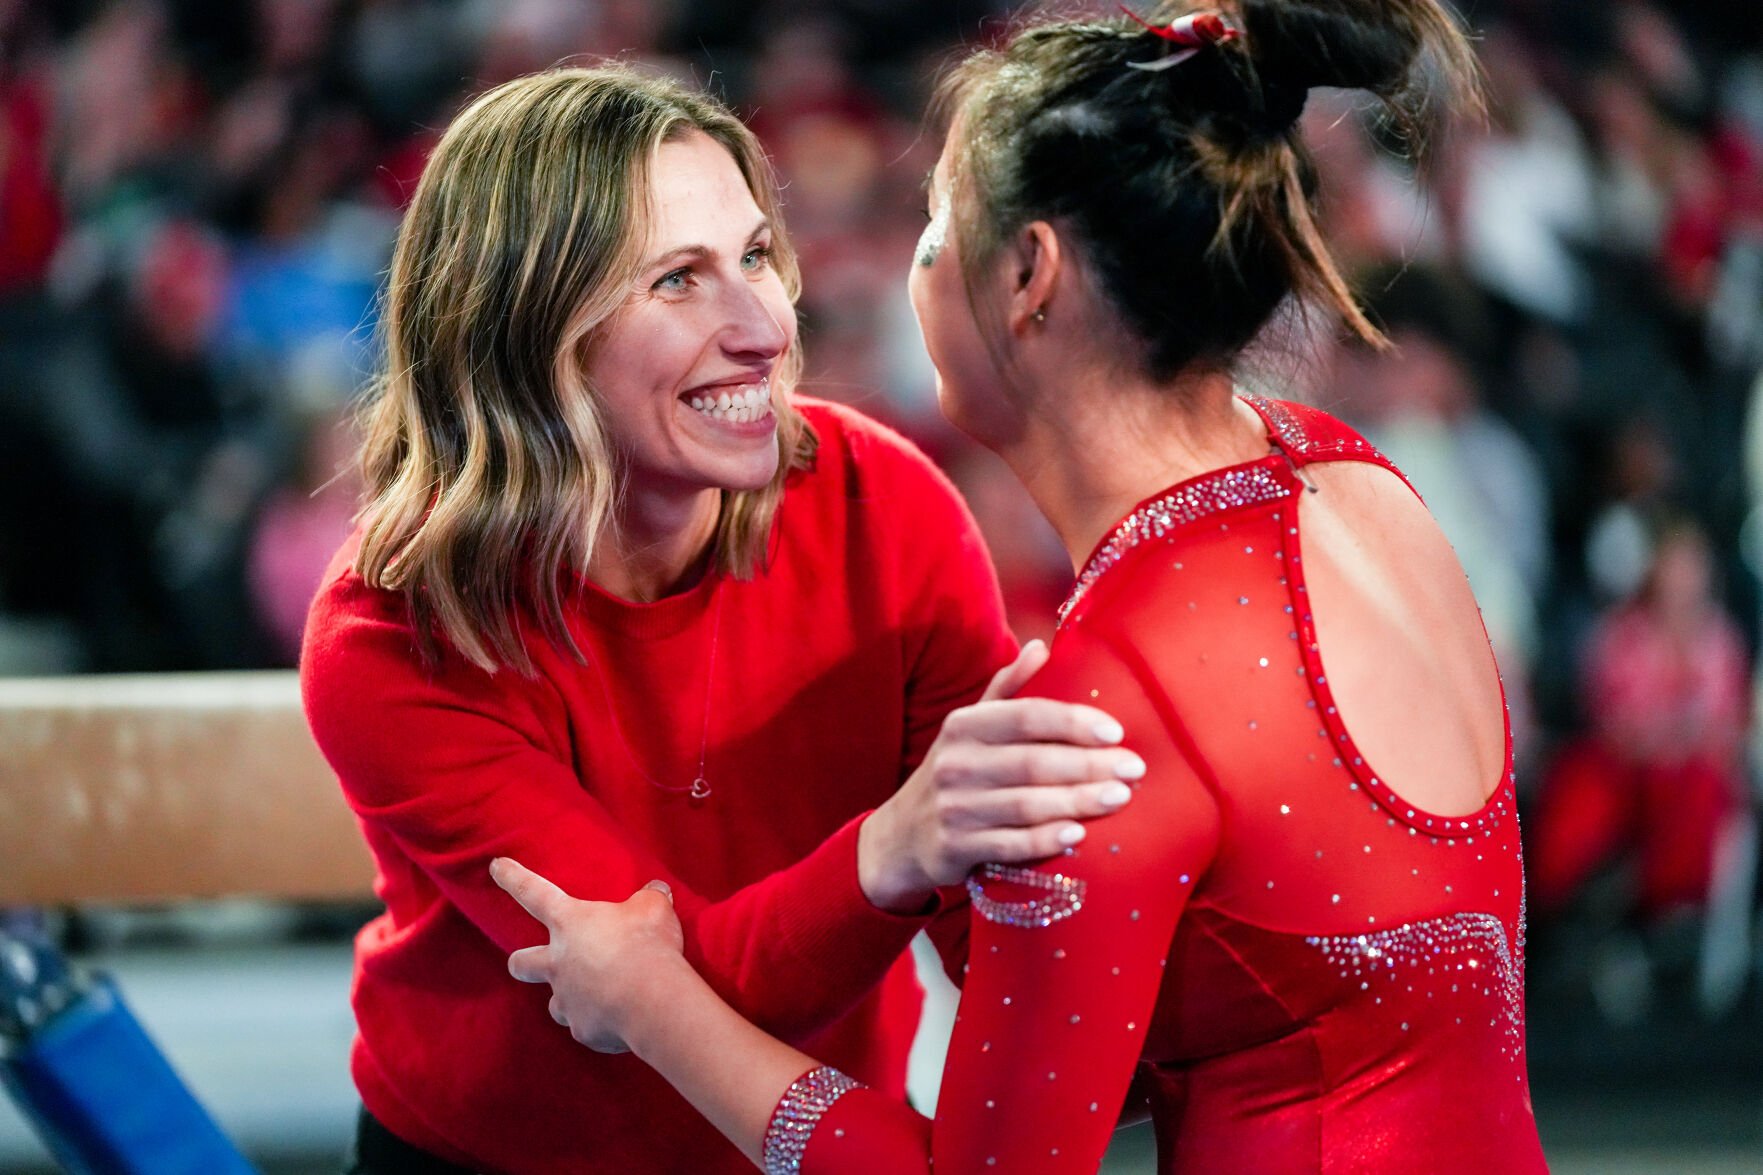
[(1066, 966), (655, 1004), (452, 767)]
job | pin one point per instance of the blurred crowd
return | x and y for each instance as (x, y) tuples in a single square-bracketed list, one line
[(198, 199)]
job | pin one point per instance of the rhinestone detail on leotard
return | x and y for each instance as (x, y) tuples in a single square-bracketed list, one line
[(1061, 898), (1243, 485), (1465, 953), (798, 1112)]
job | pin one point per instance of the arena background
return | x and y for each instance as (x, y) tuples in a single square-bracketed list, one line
[(197, 202)]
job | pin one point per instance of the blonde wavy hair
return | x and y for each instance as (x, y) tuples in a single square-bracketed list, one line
[(490, 476)]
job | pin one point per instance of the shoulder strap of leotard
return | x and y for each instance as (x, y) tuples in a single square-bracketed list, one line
[(1307, 434)]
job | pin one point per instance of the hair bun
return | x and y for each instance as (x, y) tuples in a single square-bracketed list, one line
[(1282, 104), (1352, 44)]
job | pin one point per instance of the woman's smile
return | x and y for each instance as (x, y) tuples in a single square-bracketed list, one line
[(743, 402), (684, 369)]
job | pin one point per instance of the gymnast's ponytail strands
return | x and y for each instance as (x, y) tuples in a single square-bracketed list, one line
[(1199, 169)]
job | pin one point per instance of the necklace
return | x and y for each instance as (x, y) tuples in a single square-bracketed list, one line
[(698, 790)]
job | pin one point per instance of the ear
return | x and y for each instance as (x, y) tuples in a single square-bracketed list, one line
[(1035, 258)]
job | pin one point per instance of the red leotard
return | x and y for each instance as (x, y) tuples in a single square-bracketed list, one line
[(1307, 972)]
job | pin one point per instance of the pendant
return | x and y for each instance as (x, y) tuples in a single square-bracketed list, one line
[(700, 789)]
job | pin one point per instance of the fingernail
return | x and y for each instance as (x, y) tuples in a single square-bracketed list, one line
[(1071, 834), (1115, 794), (1109, 731), (1131, 767)]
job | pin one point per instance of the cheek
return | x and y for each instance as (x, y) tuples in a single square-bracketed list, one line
[(915, 293), (652, 354), (944, 318)]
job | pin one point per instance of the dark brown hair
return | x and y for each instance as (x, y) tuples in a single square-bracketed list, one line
[(1188, 188)]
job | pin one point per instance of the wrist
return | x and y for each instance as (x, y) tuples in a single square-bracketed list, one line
[(880, 872), (671, 992)]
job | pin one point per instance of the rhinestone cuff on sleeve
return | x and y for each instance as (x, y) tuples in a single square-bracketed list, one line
[(1060, 898), (798, 1113)]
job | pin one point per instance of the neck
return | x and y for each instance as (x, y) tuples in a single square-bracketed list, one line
[(1101, 444), (659, 546)]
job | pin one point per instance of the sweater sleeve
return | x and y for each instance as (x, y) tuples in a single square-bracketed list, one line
[(450, 768), (1067, 962), (956, 632)]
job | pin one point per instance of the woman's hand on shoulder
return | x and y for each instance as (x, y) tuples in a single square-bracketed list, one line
[(1007, 779), (601, 956)]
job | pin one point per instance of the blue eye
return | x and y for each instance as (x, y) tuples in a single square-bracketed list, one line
[(673, 281), (756, 257)]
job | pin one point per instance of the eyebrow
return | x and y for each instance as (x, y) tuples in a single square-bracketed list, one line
[(699, 252)]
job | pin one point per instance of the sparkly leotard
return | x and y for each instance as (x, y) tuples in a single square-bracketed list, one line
[(1306, 972)]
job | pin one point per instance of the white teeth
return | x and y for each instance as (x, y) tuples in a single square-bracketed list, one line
[(738, 406)]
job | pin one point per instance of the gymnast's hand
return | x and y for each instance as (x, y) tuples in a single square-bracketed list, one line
[(601, 955), (1008, 779)]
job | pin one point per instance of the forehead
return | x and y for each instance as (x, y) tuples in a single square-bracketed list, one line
[(697, 193)]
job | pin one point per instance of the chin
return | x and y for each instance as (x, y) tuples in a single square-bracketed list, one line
[(754, 477)]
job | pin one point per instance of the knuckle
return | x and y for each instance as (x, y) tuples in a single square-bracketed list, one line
[(960, 721), (1050, 721), (1025, 810), (1099, 765), (1043, 765), (955, 768), (1017, 845), (950, 813)]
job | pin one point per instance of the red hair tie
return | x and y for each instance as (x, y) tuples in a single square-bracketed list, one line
[(1193, 32)]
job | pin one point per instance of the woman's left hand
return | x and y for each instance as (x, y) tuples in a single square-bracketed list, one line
[(601, 957)]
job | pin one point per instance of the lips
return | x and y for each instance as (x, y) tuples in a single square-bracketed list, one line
[(736, 403)]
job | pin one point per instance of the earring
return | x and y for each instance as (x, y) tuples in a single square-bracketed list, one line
[(1040, 316)]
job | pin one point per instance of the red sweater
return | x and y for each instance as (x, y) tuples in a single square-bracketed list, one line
[(833, 670)]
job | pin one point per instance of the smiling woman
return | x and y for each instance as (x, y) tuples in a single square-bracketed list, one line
[(683, 367), (578, 230), (624, 605)]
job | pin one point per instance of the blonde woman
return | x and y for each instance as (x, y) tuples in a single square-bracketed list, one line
[(624, 605), (1305, 935)]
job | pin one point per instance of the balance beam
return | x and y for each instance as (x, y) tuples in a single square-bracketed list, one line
[(164, 787)]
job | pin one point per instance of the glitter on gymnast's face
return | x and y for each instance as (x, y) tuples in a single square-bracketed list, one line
[(930, 242)]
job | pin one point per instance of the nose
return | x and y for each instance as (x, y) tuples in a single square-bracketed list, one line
[(753, 328)]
